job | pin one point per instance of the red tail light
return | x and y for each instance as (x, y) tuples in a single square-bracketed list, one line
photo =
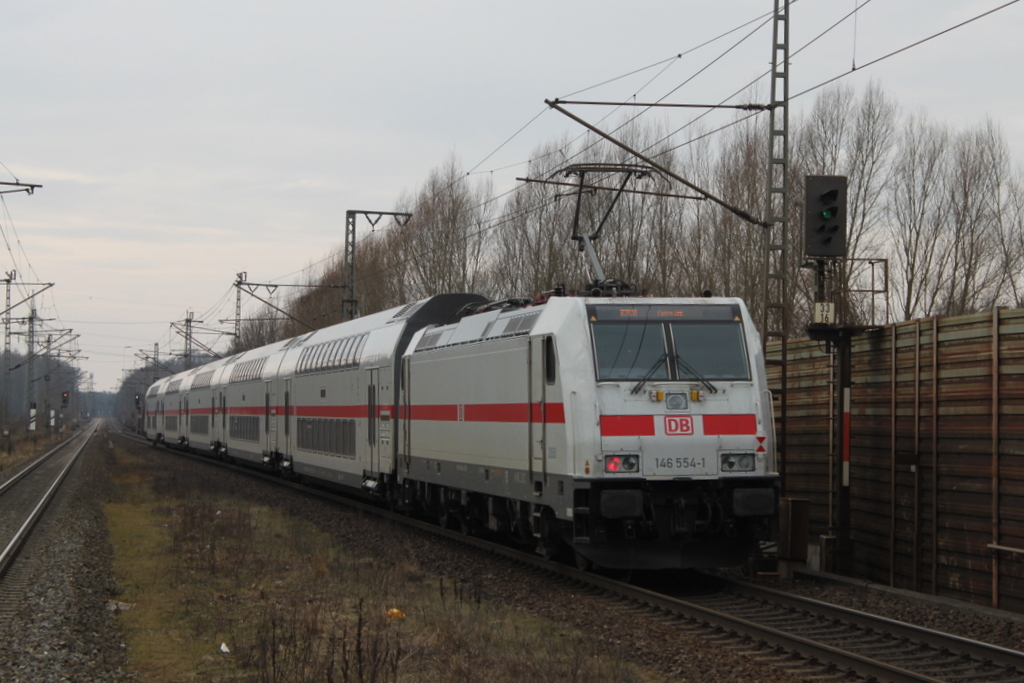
[(621, 463)]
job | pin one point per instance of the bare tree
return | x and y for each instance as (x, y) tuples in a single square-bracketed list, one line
[(978, 170), (1011, 240), (533, 247), (262, 329), (737, 247), (446, 239), (915, 229)]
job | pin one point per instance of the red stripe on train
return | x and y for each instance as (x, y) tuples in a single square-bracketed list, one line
[(729, 425), (643, 425), (552, 413), (627, 425)]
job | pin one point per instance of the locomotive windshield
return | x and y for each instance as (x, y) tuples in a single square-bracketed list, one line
[(659, 342)]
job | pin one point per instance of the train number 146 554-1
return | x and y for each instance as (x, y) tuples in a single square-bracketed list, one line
[(681, 463)]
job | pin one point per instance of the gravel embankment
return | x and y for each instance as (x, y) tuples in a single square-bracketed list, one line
[(65, 632), (61, 629)]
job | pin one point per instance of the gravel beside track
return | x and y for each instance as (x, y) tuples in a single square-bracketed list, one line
[(61, 629), (65, 631)]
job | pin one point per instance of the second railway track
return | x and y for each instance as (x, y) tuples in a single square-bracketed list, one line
[(25, 496)]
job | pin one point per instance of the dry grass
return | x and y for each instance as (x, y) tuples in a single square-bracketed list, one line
[(25, 446), (202, 567)]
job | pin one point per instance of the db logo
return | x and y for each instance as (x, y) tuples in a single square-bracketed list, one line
[(678, 425)]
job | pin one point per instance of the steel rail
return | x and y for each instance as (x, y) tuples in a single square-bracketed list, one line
[(10, 553), (33, 465), (983, 652)]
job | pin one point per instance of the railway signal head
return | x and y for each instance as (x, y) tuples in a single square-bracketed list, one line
[(64, 398), (825, 216)]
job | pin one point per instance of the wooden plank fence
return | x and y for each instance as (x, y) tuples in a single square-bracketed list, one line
[(937, 457)]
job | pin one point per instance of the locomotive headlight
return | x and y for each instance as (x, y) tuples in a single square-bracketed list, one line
[(676, 402), (622, 464), (738, 462)]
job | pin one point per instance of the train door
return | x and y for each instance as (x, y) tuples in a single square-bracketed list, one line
[(270, 415), (286, 446), (538, 411), (379, 406), (216, 431), (403, 420), (385, 419), (373, 443)]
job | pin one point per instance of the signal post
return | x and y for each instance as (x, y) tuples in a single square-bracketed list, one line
[(825, 246)]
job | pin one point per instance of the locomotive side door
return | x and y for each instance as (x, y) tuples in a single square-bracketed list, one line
[(537, 418)]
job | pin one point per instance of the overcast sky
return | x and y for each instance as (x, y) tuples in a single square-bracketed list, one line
[(179, 143)]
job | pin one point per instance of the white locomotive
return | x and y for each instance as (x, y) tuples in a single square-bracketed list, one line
[(636, 432)]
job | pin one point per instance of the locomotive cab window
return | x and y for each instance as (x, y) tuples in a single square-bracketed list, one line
[(627, 351), (668, 343), (716, 350)]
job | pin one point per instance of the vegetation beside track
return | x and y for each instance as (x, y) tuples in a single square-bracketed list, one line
[(200, 567), (26, 445)]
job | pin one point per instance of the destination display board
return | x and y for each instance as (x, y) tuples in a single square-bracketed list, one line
[(662, 312)]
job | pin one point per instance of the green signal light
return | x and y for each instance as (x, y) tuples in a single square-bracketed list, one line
[(828, 214)]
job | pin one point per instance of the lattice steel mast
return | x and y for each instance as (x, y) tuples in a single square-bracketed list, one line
[(775, 312)]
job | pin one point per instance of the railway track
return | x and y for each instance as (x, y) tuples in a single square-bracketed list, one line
[(865, 644), (814, 640), (24, 499)]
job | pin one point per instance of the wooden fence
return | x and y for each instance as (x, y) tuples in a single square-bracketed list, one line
[(937, 453)]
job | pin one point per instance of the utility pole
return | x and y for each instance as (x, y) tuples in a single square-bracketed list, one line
[(30, 379), (775, 321), (47, 410), (238, 303), (188, 341), (7, 363), (349, 268), (27, 188), (11, 276)]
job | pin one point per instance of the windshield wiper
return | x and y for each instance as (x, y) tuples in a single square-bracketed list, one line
[(696, 375), (650, 373)]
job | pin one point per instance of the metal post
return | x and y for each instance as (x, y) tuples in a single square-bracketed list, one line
[(351, 309), (30, 379), (188, 341), (238, 304), (46, 385), (844, 345), (7, 365), (349, 293), (775, 323), (995, 458)]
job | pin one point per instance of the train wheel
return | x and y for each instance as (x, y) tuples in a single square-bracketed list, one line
[(444, 517), (549, 545), (582, 563)]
